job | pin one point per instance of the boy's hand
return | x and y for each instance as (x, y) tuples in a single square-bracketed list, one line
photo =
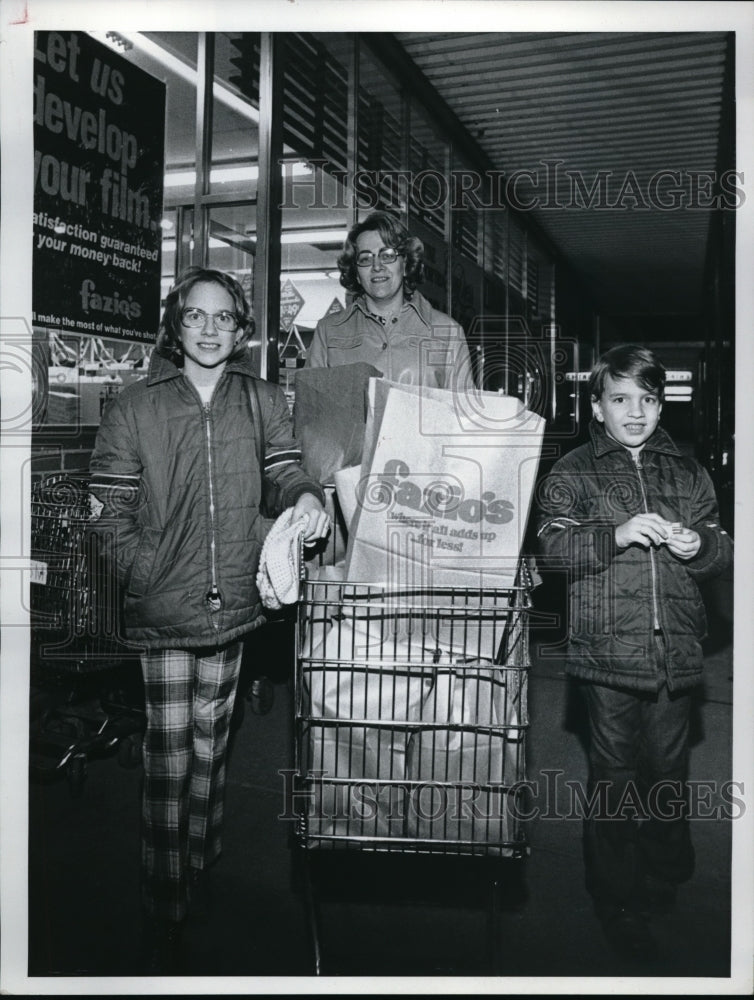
[(644, 530), (683, 542), (309, 506)]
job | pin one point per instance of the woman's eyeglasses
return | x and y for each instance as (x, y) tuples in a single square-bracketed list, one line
[(225, 321), (387, 255)]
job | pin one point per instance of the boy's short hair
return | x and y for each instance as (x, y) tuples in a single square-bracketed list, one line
[(169, 334), (628, 361)]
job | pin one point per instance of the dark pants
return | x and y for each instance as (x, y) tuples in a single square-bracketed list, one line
[(638, 761)]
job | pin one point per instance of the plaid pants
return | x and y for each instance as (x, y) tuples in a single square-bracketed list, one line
[(189, 696)]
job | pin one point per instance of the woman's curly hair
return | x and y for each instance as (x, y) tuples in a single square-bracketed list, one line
[(169, 334), (394, 234)]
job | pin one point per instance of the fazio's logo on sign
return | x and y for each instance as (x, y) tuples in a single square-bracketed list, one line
[(438, 498)]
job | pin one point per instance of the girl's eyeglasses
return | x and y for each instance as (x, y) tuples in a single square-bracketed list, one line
[(225, 321)]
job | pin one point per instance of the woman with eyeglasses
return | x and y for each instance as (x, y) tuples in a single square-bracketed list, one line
[(390, 324), (176, 471)]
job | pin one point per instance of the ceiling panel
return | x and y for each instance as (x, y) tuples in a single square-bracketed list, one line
[(630, 116)]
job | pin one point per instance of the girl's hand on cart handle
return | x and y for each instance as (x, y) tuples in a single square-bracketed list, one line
[(318, 522)]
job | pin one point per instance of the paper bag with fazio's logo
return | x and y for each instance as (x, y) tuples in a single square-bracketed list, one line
[(445, 488)]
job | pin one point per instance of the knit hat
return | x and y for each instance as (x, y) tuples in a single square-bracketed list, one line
[(281, 563)]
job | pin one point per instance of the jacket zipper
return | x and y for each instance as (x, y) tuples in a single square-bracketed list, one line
[(638, 465), (213, 597)]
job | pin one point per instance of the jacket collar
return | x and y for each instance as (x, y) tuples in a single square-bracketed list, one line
[(417, 302), (162, 369), (660, 441)]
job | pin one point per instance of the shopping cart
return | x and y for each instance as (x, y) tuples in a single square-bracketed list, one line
[(410, 724), (85, 689)]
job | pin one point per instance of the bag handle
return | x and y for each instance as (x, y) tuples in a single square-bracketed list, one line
[(256, 412), (271, 501)]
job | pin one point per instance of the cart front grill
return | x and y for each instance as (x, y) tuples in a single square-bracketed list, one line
[(411, 715)]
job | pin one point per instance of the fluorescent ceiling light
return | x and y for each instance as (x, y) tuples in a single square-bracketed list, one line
[(333, 236), (228, 175), (217, 175), (337, 236), (214, 244)]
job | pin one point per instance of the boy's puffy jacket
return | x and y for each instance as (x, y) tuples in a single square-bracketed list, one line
[(618, 597), (179, 484)]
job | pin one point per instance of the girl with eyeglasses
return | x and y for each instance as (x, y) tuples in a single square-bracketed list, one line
[(175, 467), (389, 324)]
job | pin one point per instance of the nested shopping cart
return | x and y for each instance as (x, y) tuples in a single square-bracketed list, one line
[(410, 726), (83, 675)]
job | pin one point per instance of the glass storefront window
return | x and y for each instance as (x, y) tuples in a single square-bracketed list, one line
[(428, 203), (466, 230), (232, 246), (172, 57), (316, 69), (428, 169), (490, 334), (316, 200), (381, 140), (235, 117), (171, 251), (517, 260), (477, 261), (539, 283)]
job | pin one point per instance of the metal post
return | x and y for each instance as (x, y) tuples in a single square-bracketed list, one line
[(205, 72), (553, 347), (353, 124), (269, 199)]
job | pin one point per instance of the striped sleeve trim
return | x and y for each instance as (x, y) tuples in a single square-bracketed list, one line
[(558, 524), (106, 481), (273, 459)]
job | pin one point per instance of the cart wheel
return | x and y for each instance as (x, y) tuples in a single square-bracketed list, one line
[(75, 772), (261, 695), (129, 751)]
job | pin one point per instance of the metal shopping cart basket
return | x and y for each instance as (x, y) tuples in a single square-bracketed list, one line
[(85, 693), (410, 725)]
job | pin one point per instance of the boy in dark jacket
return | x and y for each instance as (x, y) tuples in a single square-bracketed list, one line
[(635, 523), (175, 477)]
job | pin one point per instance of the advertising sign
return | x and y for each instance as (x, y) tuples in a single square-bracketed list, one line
[(336, 306), (99, 151), (291, 302)]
